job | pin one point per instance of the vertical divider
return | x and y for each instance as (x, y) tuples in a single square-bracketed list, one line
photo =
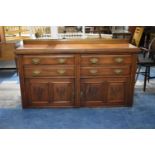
[(50, 93), (77, 80), (22, 81)]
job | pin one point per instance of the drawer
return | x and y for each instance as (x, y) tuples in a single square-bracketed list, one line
[(43, 71), (105, 59), (49, 60), (105, 71)]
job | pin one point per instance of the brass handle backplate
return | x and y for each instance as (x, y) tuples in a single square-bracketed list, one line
[(61, 60), (35, 61), (119, 60), (93, 71), (61, 71), (118, 71), (81, 93), (93, 60), (36, 73)]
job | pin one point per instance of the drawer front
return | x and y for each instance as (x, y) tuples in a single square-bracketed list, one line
[(105, 59), (49, 60), (105, 71), (48, 71)]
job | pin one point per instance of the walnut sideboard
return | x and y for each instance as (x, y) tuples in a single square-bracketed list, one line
[(76, 73)]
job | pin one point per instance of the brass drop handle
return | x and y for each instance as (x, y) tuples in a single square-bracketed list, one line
[(61, 60), (93, 71), (35, 61), (118, 71), (36, 73), (81, 93), (119, 59), (61, 71), (93, 60)]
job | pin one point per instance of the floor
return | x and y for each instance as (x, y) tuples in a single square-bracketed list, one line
[(12, 116)]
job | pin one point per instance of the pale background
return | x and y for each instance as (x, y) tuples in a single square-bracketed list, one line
[(77, 12)]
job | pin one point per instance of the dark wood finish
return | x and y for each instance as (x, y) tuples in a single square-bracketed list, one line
[(49, 60), (93, 59), (37, 92), (77, 81), (50, 92), (46, 71), (105, 71), (93, 92), (104, 92), (74, 74), (117, 92)]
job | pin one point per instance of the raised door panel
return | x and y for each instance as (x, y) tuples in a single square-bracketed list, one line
[(38, 92), (92, 92), (62, 93), (50, 92), (117, 92)]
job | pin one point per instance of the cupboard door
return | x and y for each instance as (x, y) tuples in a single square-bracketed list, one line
[(117, 92), (50, 92), (92, 92), (62, 92), (38, 92)]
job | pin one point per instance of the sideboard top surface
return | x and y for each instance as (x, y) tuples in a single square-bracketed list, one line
[(75, 47)]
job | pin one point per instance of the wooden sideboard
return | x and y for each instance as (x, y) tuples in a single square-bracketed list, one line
[(77, 73)]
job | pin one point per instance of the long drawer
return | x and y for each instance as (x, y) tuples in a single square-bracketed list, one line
[(105, 71), (49, 60), (43, 71), (94, 59)]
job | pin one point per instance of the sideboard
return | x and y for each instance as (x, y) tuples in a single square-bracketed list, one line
[(76, 73)]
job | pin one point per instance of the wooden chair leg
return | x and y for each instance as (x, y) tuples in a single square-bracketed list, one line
[(145, 78), (148, 74)]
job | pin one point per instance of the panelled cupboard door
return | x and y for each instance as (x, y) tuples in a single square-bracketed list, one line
[(104, 91), (117, 91), (92, 92), (62, 92), (38, 92), (50, 92)]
